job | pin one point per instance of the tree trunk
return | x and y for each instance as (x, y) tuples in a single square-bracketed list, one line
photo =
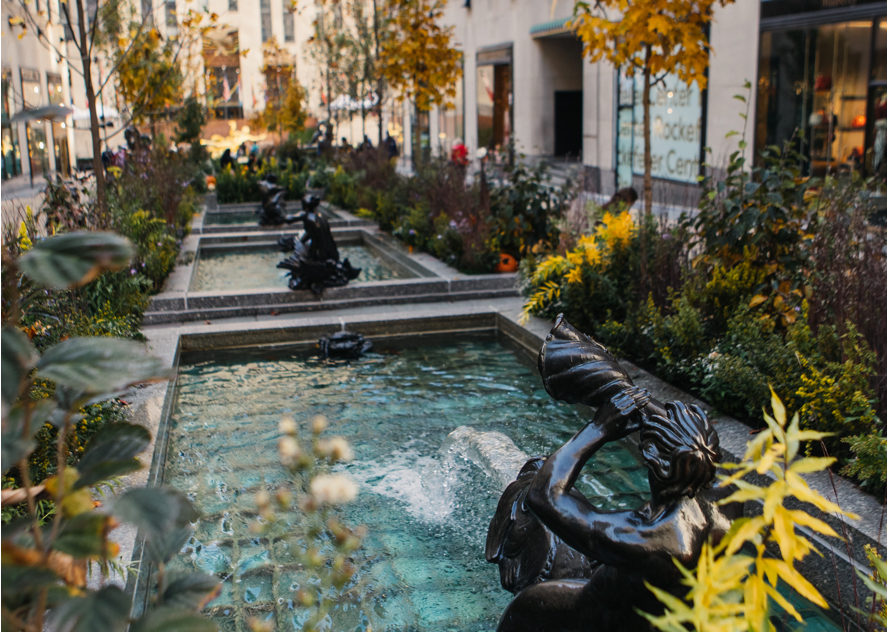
[(98, 167), (378, 78), (646, 98), (648, 184)]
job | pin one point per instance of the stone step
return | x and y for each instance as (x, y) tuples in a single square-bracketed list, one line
[(176, 313)]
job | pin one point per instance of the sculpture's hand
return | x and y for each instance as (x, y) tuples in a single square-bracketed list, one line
[(622, 416)]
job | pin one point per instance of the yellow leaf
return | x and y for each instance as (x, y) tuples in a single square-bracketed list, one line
[(773, 499), (815, 524), (796, 581), (743, 495), (745, 533), (769, 458), (784, 534), (811, 464), (73, 503), (799, 488), (757, 300), (778, 408), (780, 599)]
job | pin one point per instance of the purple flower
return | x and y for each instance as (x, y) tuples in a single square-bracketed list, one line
[(143, 264), (453, 223), (439, 237), (158, 243), (132, 270), (411, 232)]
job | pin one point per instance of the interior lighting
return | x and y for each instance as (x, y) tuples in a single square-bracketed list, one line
[(669, 94), (669, 111), (37, 89), (64, 126), (40, 144), (442, 135)]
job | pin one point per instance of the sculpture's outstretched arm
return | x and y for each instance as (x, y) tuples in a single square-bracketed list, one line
[(614, 538)]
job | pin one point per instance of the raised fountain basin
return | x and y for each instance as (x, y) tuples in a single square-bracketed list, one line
[(226, 218), (235, 275)]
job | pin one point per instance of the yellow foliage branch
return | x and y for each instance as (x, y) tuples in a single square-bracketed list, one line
[(729, 591)]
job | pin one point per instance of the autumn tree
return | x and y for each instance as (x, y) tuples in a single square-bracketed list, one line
[(417, 58), (148, 78), (364, 81), (82, 30), (652, 37), (287, 114), (328, 48), (74, 37)]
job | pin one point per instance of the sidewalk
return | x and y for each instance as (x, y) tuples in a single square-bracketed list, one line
[(16, 194), (20, 188)]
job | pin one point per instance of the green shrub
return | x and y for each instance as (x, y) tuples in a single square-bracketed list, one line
[(869, 462)]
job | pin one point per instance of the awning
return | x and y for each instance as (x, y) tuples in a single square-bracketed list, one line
[(48, 113), (552, 28)]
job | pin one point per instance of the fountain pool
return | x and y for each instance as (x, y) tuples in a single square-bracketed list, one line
[(437, 427), (254, 268)]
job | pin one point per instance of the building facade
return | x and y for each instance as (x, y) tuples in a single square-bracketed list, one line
[(34, 77), (526, 81)]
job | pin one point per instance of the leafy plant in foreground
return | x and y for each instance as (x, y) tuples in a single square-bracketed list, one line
[(47, 556), (324, 546), (730, 590)]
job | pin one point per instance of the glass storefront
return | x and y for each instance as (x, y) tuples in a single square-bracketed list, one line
[(451, 123), (420, 134), (676, 111), (36, 131), (59, 129), (12, 157), (828, 81)]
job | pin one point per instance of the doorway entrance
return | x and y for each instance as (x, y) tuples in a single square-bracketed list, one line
[(494, 98), (568, 123)]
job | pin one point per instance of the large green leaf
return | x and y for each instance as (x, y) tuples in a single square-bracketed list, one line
[(100, 365), (190, 590), (17, 357), (162, 547), (14, 448), (21, 585), (106, 610), (173, 620), (82, 535), (155, 510), (111, 452), (73, 259)]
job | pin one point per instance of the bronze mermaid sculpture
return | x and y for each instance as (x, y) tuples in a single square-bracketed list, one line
[(314, 261), (574, 567)]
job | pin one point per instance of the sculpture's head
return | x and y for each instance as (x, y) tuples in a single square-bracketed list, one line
[(680, 450)]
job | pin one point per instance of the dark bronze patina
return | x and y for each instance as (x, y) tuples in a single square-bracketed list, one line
[(344, 344), (273, 210), (314, 264), (573, 566)]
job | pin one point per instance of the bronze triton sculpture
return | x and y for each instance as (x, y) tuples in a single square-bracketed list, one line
[(273, 209), (315, 262), (575, 567)]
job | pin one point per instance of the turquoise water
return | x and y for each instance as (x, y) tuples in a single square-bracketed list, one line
[(426, 504), (232, 218), (427, 511), (257, 269)]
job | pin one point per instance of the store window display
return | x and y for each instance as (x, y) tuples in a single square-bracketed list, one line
[(829, 82)]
